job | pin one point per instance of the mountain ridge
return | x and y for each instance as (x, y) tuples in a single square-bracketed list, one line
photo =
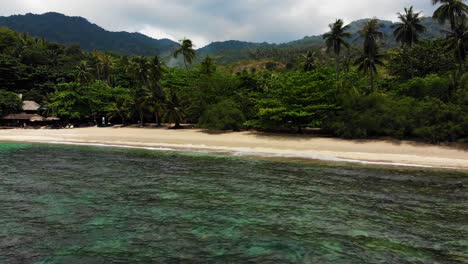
[(64, 29), (79, 30)]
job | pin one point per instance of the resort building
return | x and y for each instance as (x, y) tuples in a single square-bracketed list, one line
[(29, 116)]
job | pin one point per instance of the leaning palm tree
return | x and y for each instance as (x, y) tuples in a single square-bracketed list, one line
[(187, 51), (457, 40), (336, 38), (309, 63), (452, 10), (408, 29), (371, 58)]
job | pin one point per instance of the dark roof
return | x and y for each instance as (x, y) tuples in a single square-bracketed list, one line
[(30, 106)]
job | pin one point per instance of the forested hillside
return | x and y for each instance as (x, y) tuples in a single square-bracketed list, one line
[(63, 29), (77, 30), (417, 89)]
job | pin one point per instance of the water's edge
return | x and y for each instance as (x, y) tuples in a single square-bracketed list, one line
[(253, 154)]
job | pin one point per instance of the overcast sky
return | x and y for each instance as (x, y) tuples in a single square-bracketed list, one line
[(205, 21)]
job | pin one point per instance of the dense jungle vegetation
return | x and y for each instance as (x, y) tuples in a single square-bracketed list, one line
[(418, 90)]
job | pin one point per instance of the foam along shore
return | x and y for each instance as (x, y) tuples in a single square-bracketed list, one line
[(401, 153)]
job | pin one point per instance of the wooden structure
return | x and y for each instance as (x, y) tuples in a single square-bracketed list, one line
[(28, 117)]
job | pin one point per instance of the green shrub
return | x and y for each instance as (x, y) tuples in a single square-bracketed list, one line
[(429, 86), (9, 102), (371, 115), (224, 115)]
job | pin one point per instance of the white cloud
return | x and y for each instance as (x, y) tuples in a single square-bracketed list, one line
[(215, 20)]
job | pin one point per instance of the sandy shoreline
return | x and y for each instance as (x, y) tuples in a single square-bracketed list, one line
[(252, 143)]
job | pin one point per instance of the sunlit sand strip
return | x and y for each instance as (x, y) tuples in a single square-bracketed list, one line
[(406, 154)]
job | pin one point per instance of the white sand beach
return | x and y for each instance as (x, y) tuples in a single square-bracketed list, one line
[(401, 153)]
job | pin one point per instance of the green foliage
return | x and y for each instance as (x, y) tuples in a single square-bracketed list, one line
[(371, 57), (283, 92), (436, 121), (409, 28), (75, 101), (370, 115), (429, 86), (295, 100), (208, 66), (9, 103), (225, 115), (187, 51), (378, 114), (426, 57), (120, 105)]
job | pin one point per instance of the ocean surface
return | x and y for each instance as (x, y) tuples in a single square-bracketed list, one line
[(79, 204)]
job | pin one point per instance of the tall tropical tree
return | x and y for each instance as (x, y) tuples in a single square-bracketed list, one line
[(157, 96), (335, 39), (139, 70), (104, 66), (309, 62), (120, 105), (83, 73), (408, 29), (175, 112), (457, 40), (370, 57), (452, 10), (208, 66), (187, 50)]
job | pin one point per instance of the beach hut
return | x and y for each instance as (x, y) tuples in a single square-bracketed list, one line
[(29, 116)]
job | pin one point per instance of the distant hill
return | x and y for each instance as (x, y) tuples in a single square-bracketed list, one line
[(232, 51), (77, 30), (64, 29)]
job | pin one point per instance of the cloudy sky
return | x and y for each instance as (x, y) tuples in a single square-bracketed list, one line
[(205, 21)]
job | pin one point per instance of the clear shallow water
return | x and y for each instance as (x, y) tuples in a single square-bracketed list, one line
[(69, 204)]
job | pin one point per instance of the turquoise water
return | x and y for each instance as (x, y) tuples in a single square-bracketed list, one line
[(69, 204)]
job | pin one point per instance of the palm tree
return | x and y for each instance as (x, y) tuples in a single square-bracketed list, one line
[(120, 105), (457, 40), (336, 38), (157, 96), (368, 63), (370, 57), (407, 31), (309, 63), (208, 66), (139, 69), (452, 10), (175, 113), (82, 73), (105, 67), (187, 51)]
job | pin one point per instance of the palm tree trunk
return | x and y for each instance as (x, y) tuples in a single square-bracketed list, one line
[(95, 120), (142, 118), (410, 61), (158, 120), (460, 61), (177, 123), (337, 65), (372, 79)]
